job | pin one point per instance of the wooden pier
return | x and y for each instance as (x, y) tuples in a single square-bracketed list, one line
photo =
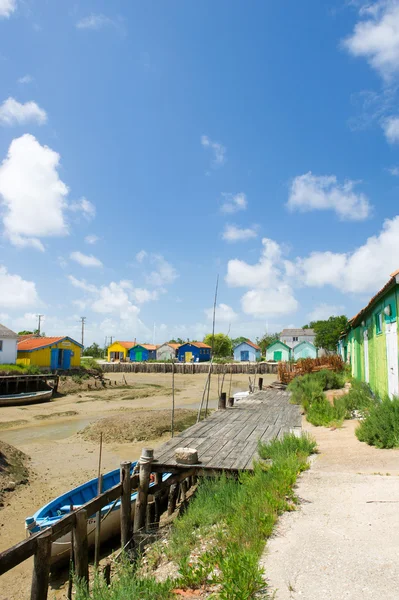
[(228, 439), (15, 384)]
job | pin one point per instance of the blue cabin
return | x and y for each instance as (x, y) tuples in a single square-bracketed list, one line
[(143, 352), (194, 352), (247, 352), (304, 350)]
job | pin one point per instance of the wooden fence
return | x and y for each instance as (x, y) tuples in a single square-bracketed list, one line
[(260, 368), (39, 545)]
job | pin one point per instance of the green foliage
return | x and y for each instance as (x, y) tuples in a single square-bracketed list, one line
[(381, 427), (94, 351), (226, 524), (266, 340), (328, 332), (26, 369), (90, 363), (322, 413), (359, 398), (25, 332), (125, 584), (238, 340), (290, 444), (221, 344), (33, 370)]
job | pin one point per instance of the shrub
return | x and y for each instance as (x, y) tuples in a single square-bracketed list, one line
[(381, 427), (289, 444), (359, 398)]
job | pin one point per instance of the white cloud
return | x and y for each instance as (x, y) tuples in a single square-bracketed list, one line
[(163, 274), (95, 21), (323, 311), (85, 207), (85, 260), (311, 192), (232, 233), (82, 284), (16, 292), (140, 256), (91, 239), (391, 129), (13, 112), (270, 302), (7, 7), (363, 270), (218, 150), (224, 313), (33, 194), (376, 37), (262, 275), (233, 203), (142, 295), (394, 171), (25, 79), (114, 298)]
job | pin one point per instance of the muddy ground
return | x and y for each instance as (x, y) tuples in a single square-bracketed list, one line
[(62, 459)]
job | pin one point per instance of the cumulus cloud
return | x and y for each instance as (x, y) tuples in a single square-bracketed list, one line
[(95, 22), (224, 313), (391, 129), (25, 79), (217, 149), (85, 207), (34, 197), (376, 37), (269, 303), (13, 112), (85, 260), (16, 292), (82, 284), (232, 233), (233, 203), (142, 295), (91, 239), (312, 192), (263, 274), (140, 256), (363, 270), (323, 311), (7, 7), (163, 274)]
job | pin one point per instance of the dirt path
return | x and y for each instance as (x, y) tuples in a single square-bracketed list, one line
[(343, 541), (61, 459)]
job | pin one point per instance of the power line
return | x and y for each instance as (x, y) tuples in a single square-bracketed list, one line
[(83, 319)]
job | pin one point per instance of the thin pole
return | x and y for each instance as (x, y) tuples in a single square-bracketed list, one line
[(173, 398), (213, 342), (204, 392), (83, 319), (98, 515), (39, 323)]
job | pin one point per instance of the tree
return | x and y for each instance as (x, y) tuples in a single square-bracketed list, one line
[(221, 344), (238, 340), (266, 340), (328, 332), (25, 332), (94, 350)]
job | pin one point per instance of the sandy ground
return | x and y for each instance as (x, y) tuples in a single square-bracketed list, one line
[(343, 541), (61, 459)]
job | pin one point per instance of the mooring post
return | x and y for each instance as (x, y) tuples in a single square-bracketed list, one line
[(80, 547), (230, 401), (107, 572), (150, 516), (126, 506), (173, 493), (260, 383), (222, 401), (41, 567), (98, 525), (146, 458)]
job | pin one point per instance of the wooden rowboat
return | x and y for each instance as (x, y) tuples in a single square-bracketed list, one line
[(59, 507), (27, 398)]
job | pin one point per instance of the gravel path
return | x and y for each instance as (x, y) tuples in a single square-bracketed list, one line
[(343, 541)]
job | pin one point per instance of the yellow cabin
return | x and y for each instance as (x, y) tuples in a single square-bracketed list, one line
[(119, 350), (52, 352)]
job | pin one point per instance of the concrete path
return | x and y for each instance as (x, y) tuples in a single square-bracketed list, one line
[(343, 541)]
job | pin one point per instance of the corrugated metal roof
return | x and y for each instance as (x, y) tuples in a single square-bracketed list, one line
[(387, 286), (7, 333), (38, 342), (296, 332)]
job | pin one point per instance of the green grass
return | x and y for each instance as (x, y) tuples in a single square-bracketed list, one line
[(381, 426), (27, 370)]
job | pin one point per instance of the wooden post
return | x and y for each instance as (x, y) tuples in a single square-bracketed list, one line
[(107, 573), (80, 547), (146, 458), (230, 401), (98, 525), (260, 383), (150, 515), (222, 401), (158, 478), (158, 510), (173, 493), (126, 506), (41, 567)]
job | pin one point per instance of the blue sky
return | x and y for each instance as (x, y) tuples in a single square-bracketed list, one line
[(147, 147)]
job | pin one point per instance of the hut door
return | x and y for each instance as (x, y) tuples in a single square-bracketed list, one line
[(278, 355), (366, 355), (391, 333), (188, 357), (244, 355), (66, 359), (54, 359), (139, 356)]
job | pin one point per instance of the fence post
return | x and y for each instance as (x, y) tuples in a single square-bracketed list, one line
[(80, 547), (41, 567), (126, 506), (146, 458), (260, 383), (230, 401), (222, 401), (173, 493)]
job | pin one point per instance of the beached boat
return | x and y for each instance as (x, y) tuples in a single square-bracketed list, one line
[(26, 398), (59, 507)]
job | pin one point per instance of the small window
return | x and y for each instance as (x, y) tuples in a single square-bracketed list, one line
[(378, 323), (1, 345), (295, 339)]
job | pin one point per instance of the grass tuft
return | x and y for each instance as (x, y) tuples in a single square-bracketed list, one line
[(381, 427)]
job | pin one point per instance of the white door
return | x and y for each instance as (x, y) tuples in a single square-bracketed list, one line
[(366, 356), (391, 332)]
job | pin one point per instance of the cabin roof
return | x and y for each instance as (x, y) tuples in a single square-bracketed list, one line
[(42, 342), (249, 344), (377, 296), (7, 333), (278, 342), (295, 332), (126, 345), (197, 345), (171, 344)]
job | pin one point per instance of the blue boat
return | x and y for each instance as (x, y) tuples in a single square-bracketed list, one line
[(59, 507)]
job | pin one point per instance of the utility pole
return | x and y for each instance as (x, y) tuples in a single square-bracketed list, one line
[(39, 323), (83, 319)]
